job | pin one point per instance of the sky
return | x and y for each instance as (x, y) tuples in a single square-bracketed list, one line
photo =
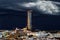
[(45, 14)]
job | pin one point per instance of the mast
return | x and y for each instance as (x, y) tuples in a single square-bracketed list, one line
[(29, 19)]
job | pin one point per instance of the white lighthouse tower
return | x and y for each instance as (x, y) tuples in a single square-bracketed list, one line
[(29, 19)]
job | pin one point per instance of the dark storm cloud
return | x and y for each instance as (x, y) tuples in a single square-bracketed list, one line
[(11, 20)]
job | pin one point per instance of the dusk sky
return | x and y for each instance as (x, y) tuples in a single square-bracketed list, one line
[(45, 14)]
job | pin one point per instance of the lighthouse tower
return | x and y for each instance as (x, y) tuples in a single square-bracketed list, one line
[(29, 19)]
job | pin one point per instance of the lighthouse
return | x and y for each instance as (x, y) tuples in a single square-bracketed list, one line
[(29, 19)]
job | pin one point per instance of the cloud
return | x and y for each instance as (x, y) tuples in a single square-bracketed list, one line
[(48, 7), (29, 4)]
